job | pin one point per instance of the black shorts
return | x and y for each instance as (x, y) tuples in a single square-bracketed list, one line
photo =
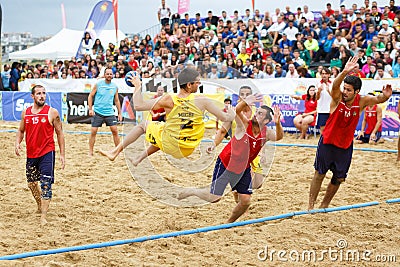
[(322, 118), (333, 158), (239, 182), (98, 120)]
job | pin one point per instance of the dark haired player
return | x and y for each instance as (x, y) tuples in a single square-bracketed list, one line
[(233, 163), (335, 147)]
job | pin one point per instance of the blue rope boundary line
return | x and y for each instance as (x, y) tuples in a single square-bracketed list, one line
[(191, 231), (225, 141)]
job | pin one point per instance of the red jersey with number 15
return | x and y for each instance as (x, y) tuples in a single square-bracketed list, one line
[(237, 154), (39, 133)]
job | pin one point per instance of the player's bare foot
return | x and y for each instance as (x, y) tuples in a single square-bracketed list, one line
[(43, 220), (184, 194), (90, 154), (134, 161), (111, 155)]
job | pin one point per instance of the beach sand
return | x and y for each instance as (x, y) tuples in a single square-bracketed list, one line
[(96, 200)]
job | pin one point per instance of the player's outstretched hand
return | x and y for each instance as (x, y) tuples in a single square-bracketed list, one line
[(231, 112), (387, 90), (351, 64), (277, 115)]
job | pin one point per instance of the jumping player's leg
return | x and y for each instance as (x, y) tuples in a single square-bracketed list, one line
[(131, 137), (314, 189), (202, 193), (92, 139), (241, 207), (219, 182), (150, 150)]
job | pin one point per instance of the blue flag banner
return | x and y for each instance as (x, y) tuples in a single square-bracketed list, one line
[(97, 20), (13, 103)]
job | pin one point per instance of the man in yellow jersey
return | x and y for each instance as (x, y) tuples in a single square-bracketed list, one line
[(184, 127), (257, 176)]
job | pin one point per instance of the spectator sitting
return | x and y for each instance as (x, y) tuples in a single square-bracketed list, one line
[(279, 72), (269, 71), (276, 55), (309, 31), (304, 53), (396, 67), (214, 73), (307, 118), (247, 69), (284, 41), (258, 74), (303, 72), (297, 59), (311, 45), (224, 73), (276, 29), (292, 72), (381, 74), (325, 49), (372, 72)]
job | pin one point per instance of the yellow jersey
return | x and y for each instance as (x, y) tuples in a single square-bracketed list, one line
[(183, 130)]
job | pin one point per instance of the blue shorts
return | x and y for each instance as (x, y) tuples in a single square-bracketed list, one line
[(330, 157), (239, 182), (98, 120), (365, 138), (42, 169), (322, 118)]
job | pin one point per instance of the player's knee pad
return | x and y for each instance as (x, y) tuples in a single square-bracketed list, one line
[(337, 181), (45, 184)]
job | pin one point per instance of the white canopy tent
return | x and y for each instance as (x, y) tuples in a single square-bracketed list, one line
[(63, 45)]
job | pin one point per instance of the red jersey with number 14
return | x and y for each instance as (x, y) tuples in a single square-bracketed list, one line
[(341, 125), (237, 154), (39, 133)]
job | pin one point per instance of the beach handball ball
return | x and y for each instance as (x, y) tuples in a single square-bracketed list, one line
[(129, 75)]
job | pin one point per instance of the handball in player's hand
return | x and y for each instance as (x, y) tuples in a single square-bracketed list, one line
[(129, 76)]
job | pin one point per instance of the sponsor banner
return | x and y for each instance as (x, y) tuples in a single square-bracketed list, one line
[(13, 103), (83, 85), (265, 86), (78, 108)]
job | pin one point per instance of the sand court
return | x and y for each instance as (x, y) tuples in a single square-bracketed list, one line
[(96, 200)]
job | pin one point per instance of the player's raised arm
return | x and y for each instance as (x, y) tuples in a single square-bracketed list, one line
[(336, 93), (370, 100)]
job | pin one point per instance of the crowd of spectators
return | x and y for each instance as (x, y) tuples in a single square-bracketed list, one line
[(280, 44)]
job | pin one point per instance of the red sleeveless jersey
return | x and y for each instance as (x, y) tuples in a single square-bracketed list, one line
[(237, 154), (341, 125), (371, 118), (39, 133)]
